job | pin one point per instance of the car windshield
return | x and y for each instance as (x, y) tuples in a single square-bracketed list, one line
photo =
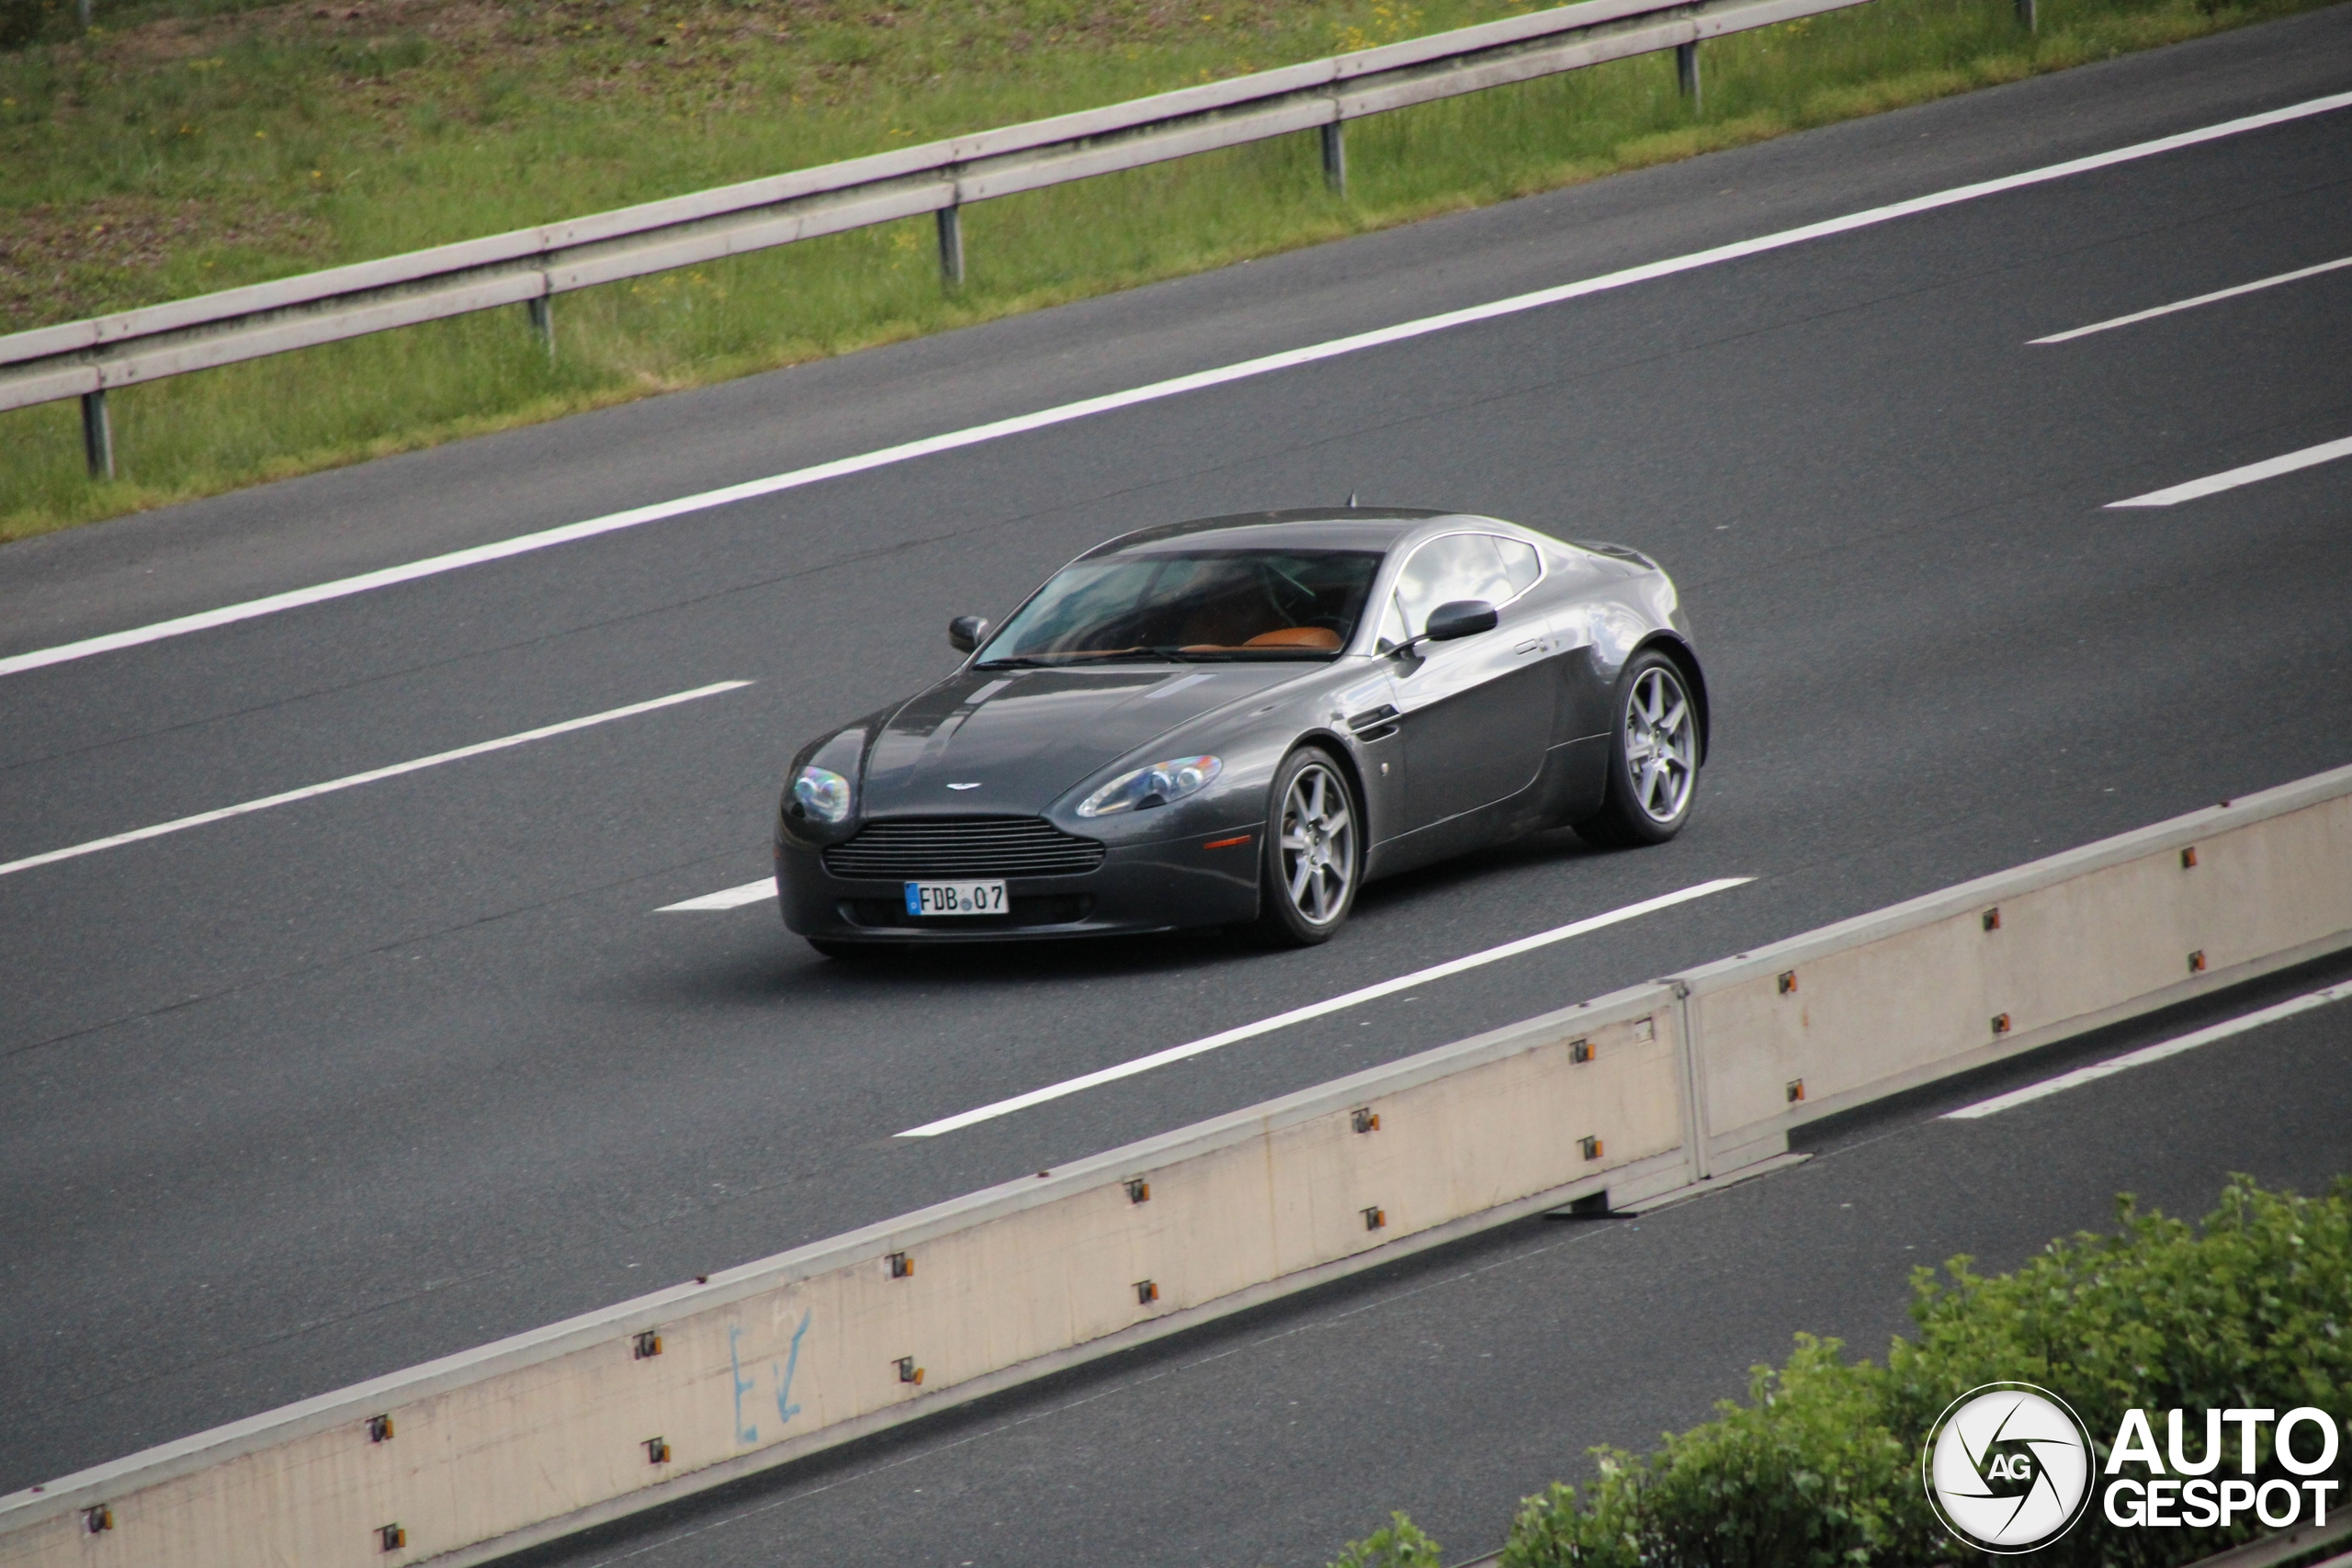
[(1203, 605)]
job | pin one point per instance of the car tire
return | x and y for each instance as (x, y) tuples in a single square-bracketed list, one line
[(1652, 756), (1311, 857)]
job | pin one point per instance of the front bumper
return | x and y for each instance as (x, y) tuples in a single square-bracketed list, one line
[(1159, 886)]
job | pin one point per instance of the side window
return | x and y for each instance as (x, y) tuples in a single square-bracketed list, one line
[(1520, 563), (1459, 566)]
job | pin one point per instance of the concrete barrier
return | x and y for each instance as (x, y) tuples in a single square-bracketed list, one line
[(1637, 1094), (1874, 1006), (482, 1453)]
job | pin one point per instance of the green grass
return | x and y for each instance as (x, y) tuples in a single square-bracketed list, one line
[(189, 145)]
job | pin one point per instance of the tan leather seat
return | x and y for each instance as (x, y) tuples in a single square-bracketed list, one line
[(1321, 639)]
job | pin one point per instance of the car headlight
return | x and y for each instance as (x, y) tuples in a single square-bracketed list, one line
[(822, 792), (1155, 785)]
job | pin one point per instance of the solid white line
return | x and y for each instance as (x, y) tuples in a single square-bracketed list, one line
[(1316, 1010), (2145, 1055), (349, 780), (1085, 408), (2111, 324), (2268, 469), (724, 898)]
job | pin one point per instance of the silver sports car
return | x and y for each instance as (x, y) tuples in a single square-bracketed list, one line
[(1241, 721)]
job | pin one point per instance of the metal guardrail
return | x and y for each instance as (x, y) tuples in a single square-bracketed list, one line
[(530, 267)]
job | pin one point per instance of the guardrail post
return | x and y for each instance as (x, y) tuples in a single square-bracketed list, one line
[(541, 311), (2026, 18), (82, 13), (1335, 156), (951, 245), (98, 434), (1686, 68)]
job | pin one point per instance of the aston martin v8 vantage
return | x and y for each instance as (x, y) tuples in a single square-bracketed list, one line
[(1240, 721)]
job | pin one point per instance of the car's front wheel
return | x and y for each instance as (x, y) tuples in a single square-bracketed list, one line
[(1313, 854), (1652, 756)]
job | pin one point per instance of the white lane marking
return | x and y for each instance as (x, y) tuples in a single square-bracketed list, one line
[(2147, 1054), (2150, 314), (1318, 1009), (370, 776), (724, 898), (2268, 469), (1084, 408)]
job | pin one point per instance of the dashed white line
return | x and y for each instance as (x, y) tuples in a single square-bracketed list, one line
[(724, 898), (1084, 408), (2268, 469), (2147, 1054), (2154, 312), (1318, 1009), (349, 780)]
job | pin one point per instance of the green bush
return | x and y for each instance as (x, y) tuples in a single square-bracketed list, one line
[(1399, 1544), (1822, 1466)]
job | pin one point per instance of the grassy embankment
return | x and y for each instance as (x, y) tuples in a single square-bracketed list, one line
[(189, 145)]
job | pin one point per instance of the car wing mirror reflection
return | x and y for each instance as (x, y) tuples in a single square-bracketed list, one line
[(1460, 618), (963, 633)]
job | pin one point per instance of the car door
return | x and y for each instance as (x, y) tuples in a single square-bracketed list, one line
[(1475, 714)]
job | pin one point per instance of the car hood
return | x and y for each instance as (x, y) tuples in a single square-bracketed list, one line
[(1025, 738)]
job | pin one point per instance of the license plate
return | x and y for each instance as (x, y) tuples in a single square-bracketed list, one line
[(955, 898)]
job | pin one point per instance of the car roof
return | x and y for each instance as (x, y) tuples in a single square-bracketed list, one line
[(1327, 528)]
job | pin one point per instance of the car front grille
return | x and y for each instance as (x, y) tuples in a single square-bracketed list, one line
[(963, 846)]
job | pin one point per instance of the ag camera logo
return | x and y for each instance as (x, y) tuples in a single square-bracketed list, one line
[(2008, 1468)]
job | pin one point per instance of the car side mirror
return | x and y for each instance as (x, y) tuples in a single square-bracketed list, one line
[(963, 633), (1460, 618)]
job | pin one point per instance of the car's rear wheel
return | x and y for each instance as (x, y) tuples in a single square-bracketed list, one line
[(1313, 854), (1652, 756)]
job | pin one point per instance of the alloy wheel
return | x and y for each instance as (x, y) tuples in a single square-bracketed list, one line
[(1661, 744), (1318, 844)]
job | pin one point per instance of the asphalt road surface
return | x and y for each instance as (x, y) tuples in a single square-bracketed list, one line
[(310, 1093)]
